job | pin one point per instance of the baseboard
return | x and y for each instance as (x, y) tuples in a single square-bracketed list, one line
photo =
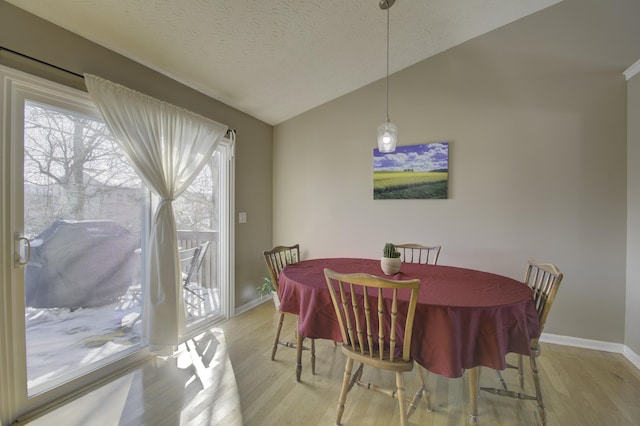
[(593, 344), (582, 343), (251, 305), (633, 357)]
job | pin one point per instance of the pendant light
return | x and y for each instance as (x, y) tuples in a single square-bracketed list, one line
[(387, 131)]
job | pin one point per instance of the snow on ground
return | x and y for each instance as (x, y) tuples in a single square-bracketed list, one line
[(61, 340)]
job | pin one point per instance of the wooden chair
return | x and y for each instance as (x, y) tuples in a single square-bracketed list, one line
[(416, 253), (276, 259), (544, 280), (381, 339)]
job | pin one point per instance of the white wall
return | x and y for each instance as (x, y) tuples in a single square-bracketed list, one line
[(535, 113)]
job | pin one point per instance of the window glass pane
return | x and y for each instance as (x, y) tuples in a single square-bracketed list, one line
[(83, 216), (197, 213)]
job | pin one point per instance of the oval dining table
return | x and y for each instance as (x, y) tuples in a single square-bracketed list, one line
[(464, 318)]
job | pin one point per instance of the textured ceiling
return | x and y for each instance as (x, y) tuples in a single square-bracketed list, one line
[(274, 59)]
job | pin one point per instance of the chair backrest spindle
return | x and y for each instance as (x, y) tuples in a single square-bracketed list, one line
[(279, 257), (544, 280), (353, 301), (417, 253)]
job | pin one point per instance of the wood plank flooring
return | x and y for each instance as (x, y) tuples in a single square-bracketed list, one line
[(581, 386), (226, 377)]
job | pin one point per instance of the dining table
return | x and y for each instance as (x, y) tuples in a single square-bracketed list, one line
[(464, 318)]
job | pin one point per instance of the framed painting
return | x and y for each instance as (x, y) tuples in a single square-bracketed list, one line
[(412, 172)]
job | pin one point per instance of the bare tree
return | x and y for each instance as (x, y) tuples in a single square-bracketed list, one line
[(196, 208), (74, 169), (72, 166)]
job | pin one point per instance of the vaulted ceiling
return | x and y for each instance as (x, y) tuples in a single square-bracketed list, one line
[(274, 59)]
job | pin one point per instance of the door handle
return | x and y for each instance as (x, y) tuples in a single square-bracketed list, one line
[(18, 258)]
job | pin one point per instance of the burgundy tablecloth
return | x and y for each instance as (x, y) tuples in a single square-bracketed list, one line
[(464, 318)]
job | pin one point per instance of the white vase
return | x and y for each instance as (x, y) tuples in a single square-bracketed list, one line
[(390, 265)]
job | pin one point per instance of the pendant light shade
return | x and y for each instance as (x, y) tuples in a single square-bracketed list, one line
[(387, 131), (387, 137)]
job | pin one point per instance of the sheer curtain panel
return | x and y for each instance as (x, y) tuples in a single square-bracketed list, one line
[(167, 146)]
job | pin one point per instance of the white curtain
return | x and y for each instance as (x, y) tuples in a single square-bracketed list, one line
[(167, 147)]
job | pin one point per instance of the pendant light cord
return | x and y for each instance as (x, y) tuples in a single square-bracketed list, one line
[(387, 79)]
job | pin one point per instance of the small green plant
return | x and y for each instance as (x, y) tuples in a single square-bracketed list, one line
[(267, 286), (390, 251)]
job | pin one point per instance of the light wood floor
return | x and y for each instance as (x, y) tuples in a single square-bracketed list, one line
[(227, 377), (582, 387)]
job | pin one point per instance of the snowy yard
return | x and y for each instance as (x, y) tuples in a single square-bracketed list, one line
[(61, 340)]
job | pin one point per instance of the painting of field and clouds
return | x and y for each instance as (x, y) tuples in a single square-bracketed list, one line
[(412, 172)]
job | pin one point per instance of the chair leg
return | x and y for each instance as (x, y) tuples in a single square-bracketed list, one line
[(474, 380), (355, 377), (423, 392), (400, 396), (345, 388), (313, 356), (536, 381), (277, 340), (186, 287), (501, 379), (300, 339), (520, 371)]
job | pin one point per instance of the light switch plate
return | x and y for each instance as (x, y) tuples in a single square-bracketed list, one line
[(242, 217)]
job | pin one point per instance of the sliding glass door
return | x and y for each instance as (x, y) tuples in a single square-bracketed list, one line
[(77, 214), (75, 224)]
